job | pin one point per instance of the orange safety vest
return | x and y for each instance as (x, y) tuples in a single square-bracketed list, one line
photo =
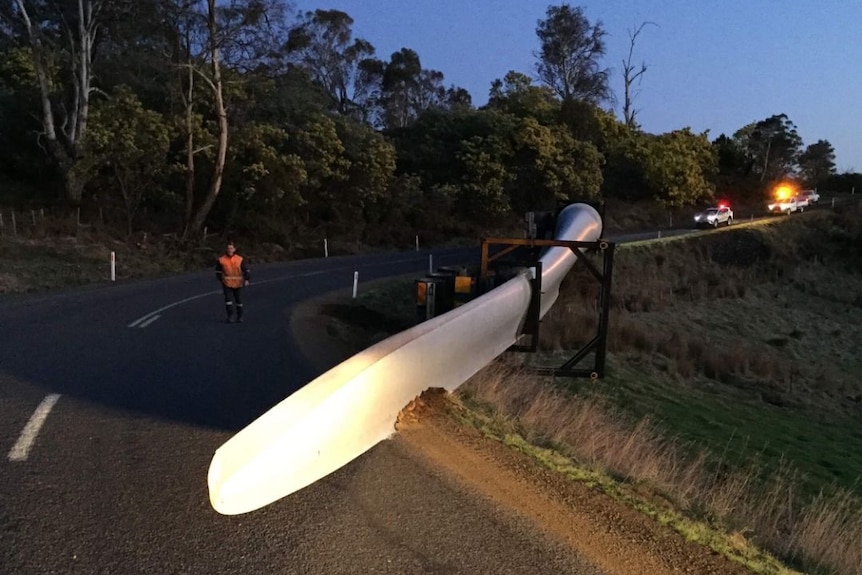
[(231, 268)]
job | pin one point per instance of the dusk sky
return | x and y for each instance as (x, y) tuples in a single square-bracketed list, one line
[(712, 65)]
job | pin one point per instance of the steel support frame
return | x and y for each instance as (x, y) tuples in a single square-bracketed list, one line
[(597, 344)]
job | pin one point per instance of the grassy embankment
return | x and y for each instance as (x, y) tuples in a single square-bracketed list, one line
[(733, 406)]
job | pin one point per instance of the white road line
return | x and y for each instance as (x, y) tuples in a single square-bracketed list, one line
[(144, 318), (21, 449), (149, 321)]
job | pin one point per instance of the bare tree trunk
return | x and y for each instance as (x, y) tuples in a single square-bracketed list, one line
[(130, 202), (630, 77), (766, 160), (64, 146), (203, 211), (190, 152)]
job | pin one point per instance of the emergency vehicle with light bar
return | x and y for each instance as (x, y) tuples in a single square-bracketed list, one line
[(720, 214), (785, 200)]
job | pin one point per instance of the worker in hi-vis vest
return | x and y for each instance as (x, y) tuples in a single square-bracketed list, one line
[(233, 273)]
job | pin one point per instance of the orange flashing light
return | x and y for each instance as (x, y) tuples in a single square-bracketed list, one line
[(783, 192)]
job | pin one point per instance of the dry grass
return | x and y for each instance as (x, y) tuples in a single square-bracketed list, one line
[(768, 312), (820, 533)]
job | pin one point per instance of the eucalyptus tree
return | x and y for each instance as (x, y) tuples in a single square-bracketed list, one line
[(208, 39), (772, 147), (61, 39), (322, 44), (817, 162), (408, 89), (569, 56)]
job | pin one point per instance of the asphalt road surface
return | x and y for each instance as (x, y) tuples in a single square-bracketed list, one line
[(113, 400)]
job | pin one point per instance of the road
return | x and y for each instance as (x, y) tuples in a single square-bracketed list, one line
[(136, 385)]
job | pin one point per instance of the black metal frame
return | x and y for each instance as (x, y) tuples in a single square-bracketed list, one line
[(531, 327)]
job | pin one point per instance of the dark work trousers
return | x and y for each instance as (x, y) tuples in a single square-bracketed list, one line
[(232, 298)]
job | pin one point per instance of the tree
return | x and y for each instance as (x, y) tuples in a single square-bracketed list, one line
[(735, 178), (264, 179), (371, 166), (817, 162), (61, 38), (201, 34), (128, 145), (323, 45), (550, 166), (569, 56), (772, 147), (516, 95), (458, 99), (680, 167), (482, 188), (632, 74), (408, 89)]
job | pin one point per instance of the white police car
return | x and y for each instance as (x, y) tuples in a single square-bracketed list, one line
[(720, 214)]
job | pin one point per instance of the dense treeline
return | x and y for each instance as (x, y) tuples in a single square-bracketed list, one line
[(173, 115)]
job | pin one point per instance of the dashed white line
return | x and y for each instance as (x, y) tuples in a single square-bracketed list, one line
[(148, 321), (21, 449)]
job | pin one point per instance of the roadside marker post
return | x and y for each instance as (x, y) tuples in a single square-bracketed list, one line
[(355, 284), (325, 248), (430, 263), (417, 243), (113, 266)]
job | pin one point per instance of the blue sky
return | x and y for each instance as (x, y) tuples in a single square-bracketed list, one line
[(712, 65)]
